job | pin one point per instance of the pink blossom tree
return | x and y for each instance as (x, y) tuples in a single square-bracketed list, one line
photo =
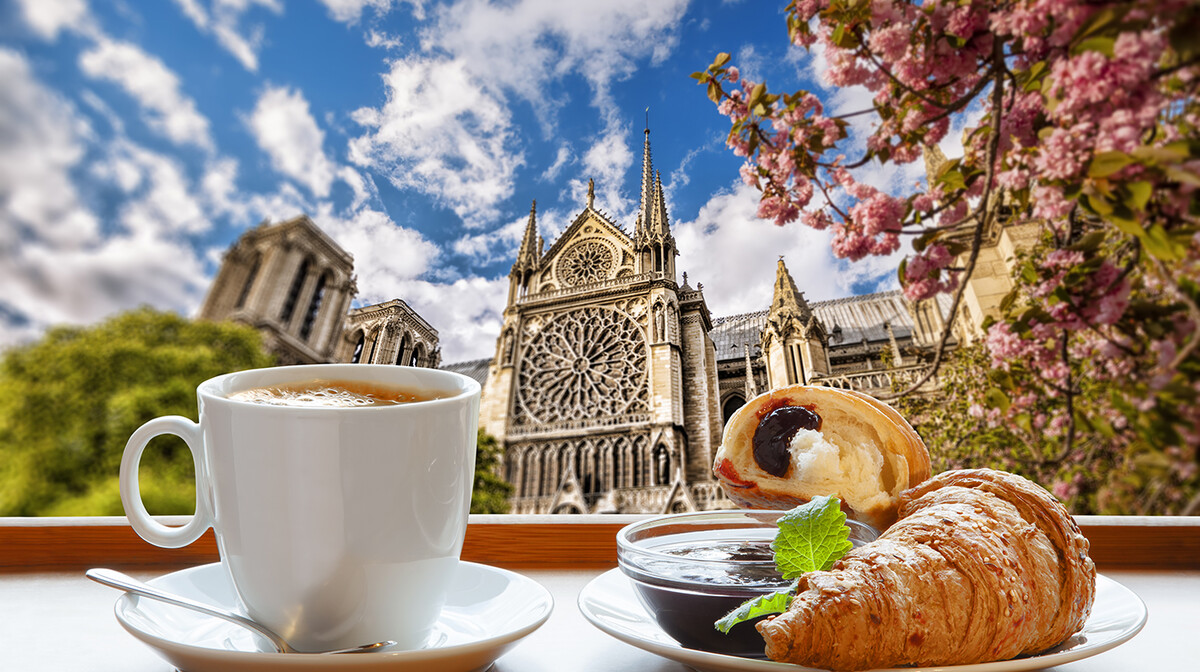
[(1087, 128)]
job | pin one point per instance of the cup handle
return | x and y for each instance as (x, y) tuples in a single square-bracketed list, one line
[(131, 496)]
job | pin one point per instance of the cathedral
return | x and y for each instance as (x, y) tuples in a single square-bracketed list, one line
[(294, 284), (603, 388), (610, 382)]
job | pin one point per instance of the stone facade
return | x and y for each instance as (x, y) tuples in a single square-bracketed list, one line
[(294, 284), (389, 333), (602, 390)]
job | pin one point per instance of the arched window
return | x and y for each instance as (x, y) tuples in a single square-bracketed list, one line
[(293, 295), (662, 465), (374, 345), (401, 350), (241, 301), (358, 348), (314, 307), (732, 404), (417, 355)]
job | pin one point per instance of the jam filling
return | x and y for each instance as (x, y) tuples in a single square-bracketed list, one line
[(774, 435)]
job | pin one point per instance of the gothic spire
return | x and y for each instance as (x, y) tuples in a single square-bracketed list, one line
[(530, 251), (643, 218), (659, 225), (787, 295)]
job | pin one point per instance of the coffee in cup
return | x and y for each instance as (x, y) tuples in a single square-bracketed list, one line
[(338, 525)]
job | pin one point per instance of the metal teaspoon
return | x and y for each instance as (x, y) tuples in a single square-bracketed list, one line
[(121, 581)]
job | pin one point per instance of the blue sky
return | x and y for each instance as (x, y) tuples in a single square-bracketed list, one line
[(138, 139)]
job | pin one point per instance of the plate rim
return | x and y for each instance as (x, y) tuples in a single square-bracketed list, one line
[(499, 642), (701, 659)]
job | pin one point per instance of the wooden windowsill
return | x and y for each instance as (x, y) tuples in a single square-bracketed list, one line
[(520, 541)]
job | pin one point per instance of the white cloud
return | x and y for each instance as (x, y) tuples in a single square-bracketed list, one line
[(159, 196), (154, 86), (386, 255), (49, 17), (560, 160), (519, 46), (42, 139), (609, 161), (55, 266), (733, 253), (467, 313), (376, 38), (495, 245), (442, 134), (350, 11), (285, 129), (446, 128), (223, 19)]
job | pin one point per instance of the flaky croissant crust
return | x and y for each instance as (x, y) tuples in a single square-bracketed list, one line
[(982, 565)]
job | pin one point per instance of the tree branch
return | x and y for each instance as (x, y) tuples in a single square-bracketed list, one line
[(983, 214)]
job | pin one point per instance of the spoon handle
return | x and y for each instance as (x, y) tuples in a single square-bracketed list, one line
[(121, 581)]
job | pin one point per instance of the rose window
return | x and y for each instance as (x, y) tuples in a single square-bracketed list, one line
[(587, 363), (587, 262)]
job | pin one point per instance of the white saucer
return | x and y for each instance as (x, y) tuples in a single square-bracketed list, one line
[(487, 612), (610, 602)]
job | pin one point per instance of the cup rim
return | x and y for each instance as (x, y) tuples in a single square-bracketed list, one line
[(219, 387)]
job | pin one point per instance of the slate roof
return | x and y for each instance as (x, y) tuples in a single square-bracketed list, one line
[(858, 317), (474, 368)]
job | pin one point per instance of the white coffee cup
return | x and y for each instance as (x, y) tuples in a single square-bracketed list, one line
[(337, 526)]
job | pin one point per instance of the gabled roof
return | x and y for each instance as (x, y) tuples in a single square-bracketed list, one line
[(568, 236), (847, 321)]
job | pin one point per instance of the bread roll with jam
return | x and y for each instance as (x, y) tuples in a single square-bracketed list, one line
[(792, 444)]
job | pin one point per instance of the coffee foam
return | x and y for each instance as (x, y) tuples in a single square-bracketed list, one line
[(331, 396)]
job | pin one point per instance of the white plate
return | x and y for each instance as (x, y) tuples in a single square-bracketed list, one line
[(610, 602), (487, 612)]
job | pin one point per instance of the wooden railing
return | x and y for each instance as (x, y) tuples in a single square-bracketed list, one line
[(72, 544)]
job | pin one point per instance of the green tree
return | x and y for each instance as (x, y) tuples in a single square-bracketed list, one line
[(491, 492), (69, 402)]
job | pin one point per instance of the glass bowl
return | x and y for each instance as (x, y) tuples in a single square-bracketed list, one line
[(691, 569)]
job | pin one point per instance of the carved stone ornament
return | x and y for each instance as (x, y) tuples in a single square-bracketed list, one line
[(584, 364), (586, 262)]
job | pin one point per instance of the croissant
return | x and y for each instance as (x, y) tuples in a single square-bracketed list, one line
[(982, 565), (786, 446)]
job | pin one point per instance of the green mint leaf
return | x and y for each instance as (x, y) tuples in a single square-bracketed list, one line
[(811, 536), (774, 603)]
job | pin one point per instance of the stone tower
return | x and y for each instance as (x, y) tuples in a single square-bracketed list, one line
[(291, 282), (794, 342), (603, 388), (992, 280)]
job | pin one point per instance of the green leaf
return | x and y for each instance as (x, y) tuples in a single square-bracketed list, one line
[(1159, 244), (1139, 195), (1126, 225), (1183, 176), (720, 61), (1106, 163), (1101, 44), (1174, 152), (1034, 76), (952, 180), (995, 398), (1089, 243), (756, 95), (774, 603), (811, 537)]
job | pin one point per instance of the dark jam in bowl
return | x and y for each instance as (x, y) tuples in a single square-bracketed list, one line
[(689, 570)]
